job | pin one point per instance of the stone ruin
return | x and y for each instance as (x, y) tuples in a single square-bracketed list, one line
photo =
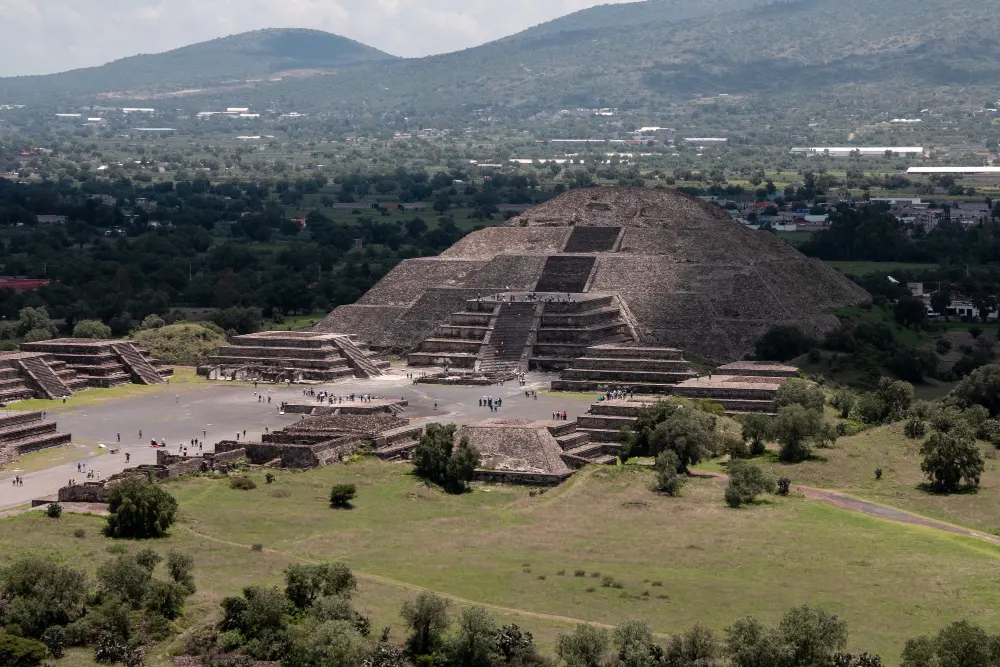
[(24, 432), (168, 466), (293, 356), (593, 267), (59, 368), (324, 438), (519, 451)]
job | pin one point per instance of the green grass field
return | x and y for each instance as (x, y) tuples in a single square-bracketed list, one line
[(517, 553)]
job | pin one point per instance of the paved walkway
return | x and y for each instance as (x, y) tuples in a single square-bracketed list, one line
[(218, 411)]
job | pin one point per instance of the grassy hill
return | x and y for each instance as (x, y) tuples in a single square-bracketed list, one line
[(219, 61)]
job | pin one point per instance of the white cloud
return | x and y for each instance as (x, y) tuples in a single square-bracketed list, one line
[(42, 36)]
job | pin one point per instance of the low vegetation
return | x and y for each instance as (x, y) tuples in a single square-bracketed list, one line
[(183, 344)]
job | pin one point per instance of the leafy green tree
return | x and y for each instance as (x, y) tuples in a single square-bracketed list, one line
[(139, 509), (516, 647), (263, 620), (668, 479), (124, 578), (40, 594), (981, 387), (474, 643), (586, 646), (800, 392), (325, 644), (240, 320), (951, 460), (634, 645), (814, 635), (697, 647), (961, 644), (305, 583), (35, 321), (438, 460), (426, 618), (689, 433), (92, 329), (180, 567), (795, 429), (165, 598), (746, 482), (757, 430)]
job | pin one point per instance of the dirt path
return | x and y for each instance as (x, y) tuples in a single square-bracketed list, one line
[(367, 576), (851, 503)]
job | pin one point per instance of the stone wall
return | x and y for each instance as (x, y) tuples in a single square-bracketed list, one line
[(523, 478), (91, 492)]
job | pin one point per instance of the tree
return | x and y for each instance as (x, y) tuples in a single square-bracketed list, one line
[(35, 321), (341, 495), (474, 643), (800, 392), (951, 459), (241, 320), (40, 594), (139, 509), (516, 647), (795, 428), (910, 312), (92, 329), (314, 644), (586, 646), (981, 387), (757, 430), (668, 479), (633, 641), (426, 618), (746, 482), (152, 322), (124, 578), (782, 343), (180, 566), (304, 584), (688, 432), (960, 644), (438, 460), (21, 651), (805, 637), (698, 647), (941, 300)]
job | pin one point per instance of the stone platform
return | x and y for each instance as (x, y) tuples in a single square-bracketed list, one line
[(744, 386), (278, 356), (641, 369), (61, 366), (24, 432)]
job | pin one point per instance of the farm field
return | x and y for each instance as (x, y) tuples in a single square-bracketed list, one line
[(678, 560)]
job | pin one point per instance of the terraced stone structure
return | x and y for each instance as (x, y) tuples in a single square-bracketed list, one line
[(276, 356), (319, 440), (744, 386), (645, 369), (519, 451), (65, 365), (24, 432), (679, 272)]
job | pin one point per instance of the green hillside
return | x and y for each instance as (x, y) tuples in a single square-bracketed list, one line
[(842, 49), (217, 62)]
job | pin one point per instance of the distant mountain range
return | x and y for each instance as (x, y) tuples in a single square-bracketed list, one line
[(626, 55)]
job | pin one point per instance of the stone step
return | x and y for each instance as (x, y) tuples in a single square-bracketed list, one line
[(627, 377), (401, 449), (636, 352), (34, 443), (581, 306), (606, 460), (612, 422), (619, 364), (476, 333), (549, 363), (586, 318), (450, 345), (562, 428), (604, 435), (603, 385), (587, 451), (586, 335), (766, 393), (281, 362), (14, 418), (25, 430), (450, 359), (571, 440), (15, 394)]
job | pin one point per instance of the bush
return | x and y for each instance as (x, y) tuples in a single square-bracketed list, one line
[(746, 482), (152, 322), (951, 460), (55, 639), (139, 509), (438, 460), (92, 329), (240, 320), (800, 392), (53, 511), (795, 429), (981, 387), (341, 495), (186, 344), (757, 430), (242, 482), (21, 651), (914, 429), (79, 533), (784, 486)]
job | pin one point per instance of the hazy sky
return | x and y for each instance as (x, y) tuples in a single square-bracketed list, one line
[(43, 36)]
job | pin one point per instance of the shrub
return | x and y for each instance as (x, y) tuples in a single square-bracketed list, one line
[(784, 486), (914, 429), (92, 329), (782, 343), (438, 460), (757, 430), (242, 482), (951, 460), (800, 392), (53, 511), (981, 387), (269, 478), (746, 482), (257, 547), (795, 429), (79, 533), (341, 495), (185, 344), (139, 509), (668, 479), (735, 446), (21, 651), (55, 639)]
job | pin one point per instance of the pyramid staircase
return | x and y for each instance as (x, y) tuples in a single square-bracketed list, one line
[(593, 239), (141, 370), (578, 450), (566, 274), (459, 342), (363, 366), (512, 327), (569, 328), (43, 378)]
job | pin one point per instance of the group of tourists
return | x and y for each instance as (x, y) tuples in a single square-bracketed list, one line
[(18, 481), (560, 416), (615, 394), (492, 403), (531, 393)]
